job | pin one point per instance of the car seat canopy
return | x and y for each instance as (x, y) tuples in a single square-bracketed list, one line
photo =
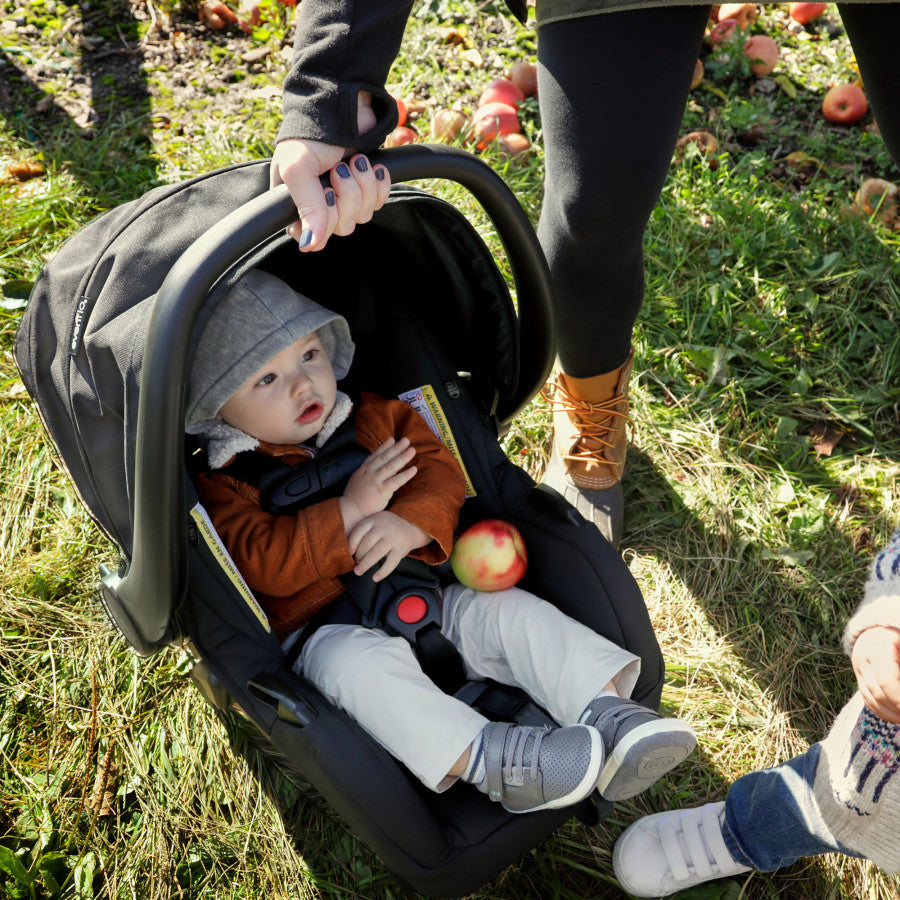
[(80, 348)]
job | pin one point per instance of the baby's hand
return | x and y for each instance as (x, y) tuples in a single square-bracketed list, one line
[(372, 485), (384, 536), (876, 662)]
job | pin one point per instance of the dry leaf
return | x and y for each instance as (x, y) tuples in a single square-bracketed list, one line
[(825, 438), (22, 171), (105, 785)]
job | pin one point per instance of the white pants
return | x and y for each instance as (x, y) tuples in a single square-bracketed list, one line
[(510, 636)]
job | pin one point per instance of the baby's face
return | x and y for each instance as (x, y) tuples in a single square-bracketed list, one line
[(289, 398)]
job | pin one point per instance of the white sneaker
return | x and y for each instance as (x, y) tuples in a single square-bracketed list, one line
[(670, 851)]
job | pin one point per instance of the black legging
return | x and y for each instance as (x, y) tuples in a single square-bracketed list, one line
[(613, 89)]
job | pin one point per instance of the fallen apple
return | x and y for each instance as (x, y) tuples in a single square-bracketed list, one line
[(744, 14), (762, 52), (804, 13), (489, 556), (215, 14), (514, 145), (501, 90), (401, 135), (447, 124), (724, 30), (844, 104), (492, 120), (523, 75), (401, 110), (697, 80), (879, 199), (705, 142)]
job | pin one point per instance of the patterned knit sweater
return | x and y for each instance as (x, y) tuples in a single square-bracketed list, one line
[(857, 782)]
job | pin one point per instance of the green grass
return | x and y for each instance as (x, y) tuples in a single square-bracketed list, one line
[(770, 312)]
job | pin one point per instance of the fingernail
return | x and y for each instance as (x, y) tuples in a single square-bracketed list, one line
[(361, 164), (379, 174), (306, 237), (330, 199), (343, 170)]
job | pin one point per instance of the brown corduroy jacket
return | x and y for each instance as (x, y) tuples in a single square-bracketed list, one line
[(292, 562)]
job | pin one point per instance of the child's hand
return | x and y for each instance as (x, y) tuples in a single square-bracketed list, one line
[(876, 662), (372, 485), (384, 536)]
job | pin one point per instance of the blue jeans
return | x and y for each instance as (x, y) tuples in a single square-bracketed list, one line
[(771, 819)]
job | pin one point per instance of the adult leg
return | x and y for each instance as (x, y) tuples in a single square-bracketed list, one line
[(872, 29), (610, 117)]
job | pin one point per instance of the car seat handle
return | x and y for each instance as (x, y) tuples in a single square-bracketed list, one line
[(152, 586)]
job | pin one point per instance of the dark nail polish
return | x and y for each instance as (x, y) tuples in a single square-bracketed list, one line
[(343, 170), (379, 174), (305, 238), (330, 199), (361, 165)]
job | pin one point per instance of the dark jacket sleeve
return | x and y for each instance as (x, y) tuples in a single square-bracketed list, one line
[(342, 47)]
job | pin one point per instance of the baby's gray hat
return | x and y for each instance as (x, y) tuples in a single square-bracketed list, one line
[(257, 319)]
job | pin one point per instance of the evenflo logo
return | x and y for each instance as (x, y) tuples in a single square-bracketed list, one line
[(78, 325)]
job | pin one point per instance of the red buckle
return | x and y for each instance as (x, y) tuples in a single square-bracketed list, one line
[(412, 609)]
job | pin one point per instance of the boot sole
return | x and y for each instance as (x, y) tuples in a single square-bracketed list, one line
[(643, 756)]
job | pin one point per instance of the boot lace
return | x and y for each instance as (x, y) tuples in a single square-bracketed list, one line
[(596, 423)]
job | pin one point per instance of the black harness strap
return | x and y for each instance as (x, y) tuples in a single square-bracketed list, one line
[(406, 603)]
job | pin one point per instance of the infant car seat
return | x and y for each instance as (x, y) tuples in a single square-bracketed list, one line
[(104, 348)]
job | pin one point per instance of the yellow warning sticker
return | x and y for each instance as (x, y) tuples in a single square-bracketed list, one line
[(217, 548), (425, 402)]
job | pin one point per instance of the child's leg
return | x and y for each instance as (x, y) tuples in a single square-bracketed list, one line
[(819, 802), (378, 681), (577, 675), (518, 639)]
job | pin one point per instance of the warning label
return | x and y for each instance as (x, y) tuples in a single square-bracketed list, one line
[(425, 402)]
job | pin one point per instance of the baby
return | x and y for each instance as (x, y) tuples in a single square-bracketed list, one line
[(264, 378)]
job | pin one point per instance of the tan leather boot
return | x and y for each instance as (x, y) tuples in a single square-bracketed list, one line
[(590, 421)]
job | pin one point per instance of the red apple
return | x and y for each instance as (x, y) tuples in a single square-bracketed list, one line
[(762, 52), (447, 124), (523, 75), (804, 13), (722, 31), (489, 556), (492, 120), (844, 104), (400, 135), (501, 90), (744, 13), (401, 110)]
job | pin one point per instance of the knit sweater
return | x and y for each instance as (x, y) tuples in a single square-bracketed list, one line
[(857, 782)]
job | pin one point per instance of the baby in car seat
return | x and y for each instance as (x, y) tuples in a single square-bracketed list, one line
[(264, 378)]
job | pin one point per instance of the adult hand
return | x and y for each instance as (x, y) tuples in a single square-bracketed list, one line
[(876, 662), (384, 536), (357, 188), (372, 485)]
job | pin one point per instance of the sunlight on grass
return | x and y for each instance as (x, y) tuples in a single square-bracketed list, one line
[(771, 314)]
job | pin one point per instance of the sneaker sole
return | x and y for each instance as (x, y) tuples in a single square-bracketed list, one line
[(585, 786), (643, 756)]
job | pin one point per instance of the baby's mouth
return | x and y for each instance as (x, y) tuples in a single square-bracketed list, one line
[(310, 413)]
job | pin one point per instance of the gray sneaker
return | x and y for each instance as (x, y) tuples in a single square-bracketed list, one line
[(530, 768), (640, 745)]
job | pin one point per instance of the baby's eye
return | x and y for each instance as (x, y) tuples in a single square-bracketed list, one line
[(310, 355), (266, 379)]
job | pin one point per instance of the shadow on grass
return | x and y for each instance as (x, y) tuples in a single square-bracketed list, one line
[(98, 130)]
